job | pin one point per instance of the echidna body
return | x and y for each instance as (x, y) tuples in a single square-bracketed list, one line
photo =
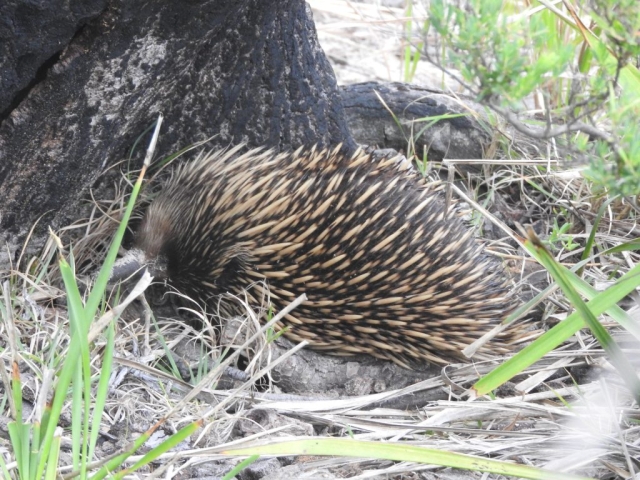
[(384, 272)]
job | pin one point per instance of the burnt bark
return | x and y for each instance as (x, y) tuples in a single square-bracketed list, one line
[(431, 120), (32, 37), (249, 71), (404, 117)]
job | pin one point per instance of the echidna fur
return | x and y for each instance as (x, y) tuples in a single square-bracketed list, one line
[(384, 272)]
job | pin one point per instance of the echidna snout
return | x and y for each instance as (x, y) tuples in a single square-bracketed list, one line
[(384, 271)]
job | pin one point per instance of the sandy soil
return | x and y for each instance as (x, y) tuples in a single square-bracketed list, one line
[(366, 41)]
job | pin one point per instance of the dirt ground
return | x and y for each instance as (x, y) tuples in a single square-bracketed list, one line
[(365, 41)]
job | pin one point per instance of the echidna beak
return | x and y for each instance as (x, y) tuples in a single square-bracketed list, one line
[(133, 264)]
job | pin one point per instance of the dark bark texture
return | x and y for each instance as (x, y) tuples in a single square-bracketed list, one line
[(32, 37), (435, 122), (83, 82)]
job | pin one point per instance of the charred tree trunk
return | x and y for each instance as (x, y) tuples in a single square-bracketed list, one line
[(101, 71)]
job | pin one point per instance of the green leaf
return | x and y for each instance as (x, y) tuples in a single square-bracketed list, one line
[(399, 452), (241, 466), (533, 352), (164, 447), (118, 460), (617, 357), (102, 391), (53, 458)]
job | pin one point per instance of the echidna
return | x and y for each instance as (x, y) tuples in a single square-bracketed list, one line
[(384, 272)]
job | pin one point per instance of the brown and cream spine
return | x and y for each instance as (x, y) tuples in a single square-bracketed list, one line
[(384, 271)]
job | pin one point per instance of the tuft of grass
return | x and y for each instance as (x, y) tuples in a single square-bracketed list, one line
[(585, 316), (412, 50), (36, 443)]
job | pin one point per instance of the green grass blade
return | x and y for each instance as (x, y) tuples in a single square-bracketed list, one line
[(44, 423), (619, 360), (102, 391), (19, 432), (589, 292), (79, 322), (51, 472), (164, 447), (594, 229), (79, 325), (117, 461), (86, 390), (15, 435), (25, 449), (239, 467), (624, 247), (102, 279), (558, 334), (434, 119), (174, 370), (34, 456), (3, 468), (76, 417), (16, 391), (74, 303), (64, 380), (399, 452)]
